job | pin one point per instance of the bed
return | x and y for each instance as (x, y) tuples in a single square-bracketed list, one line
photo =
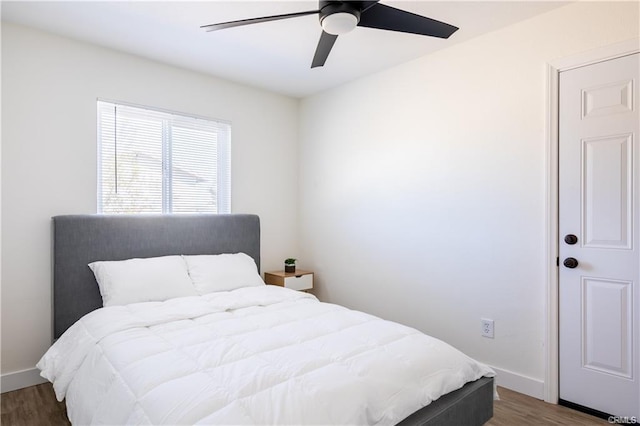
[(279, 343)]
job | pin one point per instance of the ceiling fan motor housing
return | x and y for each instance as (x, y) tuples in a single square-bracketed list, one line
[(341, 16)]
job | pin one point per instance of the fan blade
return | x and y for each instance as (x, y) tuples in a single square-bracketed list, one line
[(324, 47), (231, 24), (389, 18), (367, 4)]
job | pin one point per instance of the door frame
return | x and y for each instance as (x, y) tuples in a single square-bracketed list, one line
[(554, 67)]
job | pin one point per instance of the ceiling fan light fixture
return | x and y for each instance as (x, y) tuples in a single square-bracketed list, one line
[(339, 23)]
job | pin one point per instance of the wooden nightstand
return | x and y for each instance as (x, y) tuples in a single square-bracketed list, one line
[(299, 280)]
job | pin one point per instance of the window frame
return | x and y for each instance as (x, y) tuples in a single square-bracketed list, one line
[(223, 166)]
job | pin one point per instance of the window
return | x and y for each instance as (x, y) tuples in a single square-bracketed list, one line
[(157, 162)]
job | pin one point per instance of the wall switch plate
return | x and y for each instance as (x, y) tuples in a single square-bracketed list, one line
[(487, 327)]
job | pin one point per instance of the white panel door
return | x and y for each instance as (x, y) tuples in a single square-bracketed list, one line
[(599, 293)]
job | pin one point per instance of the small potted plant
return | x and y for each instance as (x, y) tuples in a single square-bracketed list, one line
[(290, 265)]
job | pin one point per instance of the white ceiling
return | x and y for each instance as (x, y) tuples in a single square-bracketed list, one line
[(274, 55)]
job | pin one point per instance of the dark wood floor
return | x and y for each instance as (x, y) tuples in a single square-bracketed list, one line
[(517, 409), (37, 405)]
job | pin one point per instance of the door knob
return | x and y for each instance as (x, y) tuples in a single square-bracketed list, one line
[(570, 239), (570, 262)]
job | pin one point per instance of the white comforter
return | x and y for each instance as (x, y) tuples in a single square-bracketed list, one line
[(259, 355)]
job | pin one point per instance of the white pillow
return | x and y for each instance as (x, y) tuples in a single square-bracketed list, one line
[(142, 280), (222, 272)]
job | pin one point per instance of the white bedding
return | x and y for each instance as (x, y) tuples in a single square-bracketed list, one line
[(257, 355)]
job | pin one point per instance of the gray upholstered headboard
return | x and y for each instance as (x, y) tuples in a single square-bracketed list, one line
[(82, 239)]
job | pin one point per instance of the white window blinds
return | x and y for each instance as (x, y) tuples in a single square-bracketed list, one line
[(157, 162)]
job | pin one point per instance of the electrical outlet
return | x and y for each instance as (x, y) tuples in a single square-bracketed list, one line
[(487, 327)]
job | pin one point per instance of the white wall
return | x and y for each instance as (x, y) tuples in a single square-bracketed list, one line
[(422, 188), (49, 90)]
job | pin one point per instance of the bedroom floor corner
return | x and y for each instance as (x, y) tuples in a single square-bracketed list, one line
[(518, 409), (36, 405)]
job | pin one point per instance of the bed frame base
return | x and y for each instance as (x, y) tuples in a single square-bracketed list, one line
[(471, 405)]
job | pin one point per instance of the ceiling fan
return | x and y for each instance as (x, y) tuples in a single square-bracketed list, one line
[(340, 17)]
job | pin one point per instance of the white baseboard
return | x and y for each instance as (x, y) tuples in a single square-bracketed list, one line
[(20, 379), (519, 383)]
